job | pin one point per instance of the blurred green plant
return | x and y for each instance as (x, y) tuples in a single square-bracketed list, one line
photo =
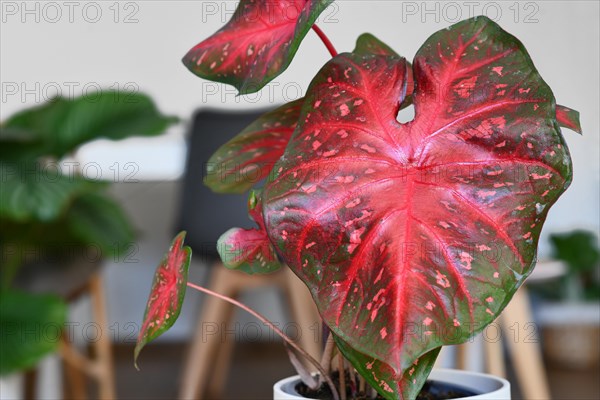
[(44, 205), (579, 251)]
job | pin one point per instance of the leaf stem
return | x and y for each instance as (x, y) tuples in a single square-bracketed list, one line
[(342, 376), (278, 331), (327, 356), (325, 40)]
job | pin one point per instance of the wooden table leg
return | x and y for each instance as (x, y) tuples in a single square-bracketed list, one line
[(75, 378), (30, 383), (208, 335), (102, 346), (222, 360), (524, 351), (494, 358)]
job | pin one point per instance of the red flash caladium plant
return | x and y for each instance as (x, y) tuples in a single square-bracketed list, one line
[(410, 236)]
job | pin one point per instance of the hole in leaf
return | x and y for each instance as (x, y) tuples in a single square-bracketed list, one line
[(406, 114)]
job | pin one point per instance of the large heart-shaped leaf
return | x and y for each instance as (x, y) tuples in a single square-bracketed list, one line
[(61, 125), (166, 295), (415, 235), (257, 44), (32, 191), (95, 218), (249, 157)]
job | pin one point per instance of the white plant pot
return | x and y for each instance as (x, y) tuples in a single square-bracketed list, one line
[(490, 387)]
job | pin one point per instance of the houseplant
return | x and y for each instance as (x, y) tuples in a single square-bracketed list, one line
[(409, 235), (52, 213), (569, 312)]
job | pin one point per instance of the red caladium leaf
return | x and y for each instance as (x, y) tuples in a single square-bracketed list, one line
[(568, 118), (380, 375), (369, 44), (257, 44), (249, 250), (249, 157), (166, 295), (411, 236)]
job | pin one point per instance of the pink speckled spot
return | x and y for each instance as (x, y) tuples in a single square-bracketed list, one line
[(368, 148), (442, 280), (344, 110), (342, 133), (383, 333), (482, 194), (353, 203)]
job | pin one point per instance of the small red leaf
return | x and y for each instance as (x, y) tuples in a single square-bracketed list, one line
[(249, 250), (257, 44), (415, 235), (166, 295), (568, 118), (249, 157)]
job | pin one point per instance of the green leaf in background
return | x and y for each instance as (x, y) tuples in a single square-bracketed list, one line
[(32, 192), (30, 328), (64, 124), (579, 249), (95, 218)]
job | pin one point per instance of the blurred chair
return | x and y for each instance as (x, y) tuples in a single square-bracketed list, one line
[(71, 281), (206, 215)]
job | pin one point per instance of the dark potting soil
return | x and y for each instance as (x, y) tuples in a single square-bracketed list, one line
[(432, 390)]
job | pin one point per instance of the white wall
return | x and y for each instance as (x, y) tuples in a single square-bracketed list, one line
[(39, 56)]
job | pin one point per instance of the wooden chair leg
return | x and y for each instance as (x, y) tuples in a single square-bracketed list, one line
[(75, 378), (525, 354), (461, 355), (221, 365), (102, 347), (208, 338), (30, 384), (494, 358), (305, 314)]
